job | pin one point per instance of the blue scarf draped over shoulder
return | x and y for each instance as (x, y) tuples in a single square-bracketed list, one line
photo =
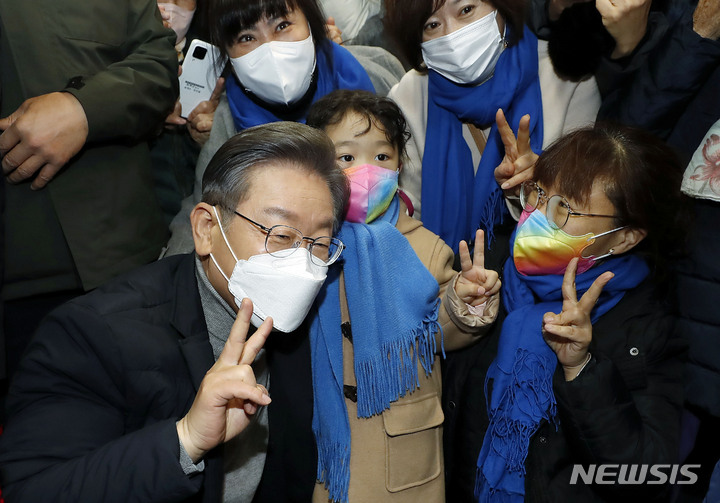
[(393, 304), (521, 374), (337, 69), (455, 200)]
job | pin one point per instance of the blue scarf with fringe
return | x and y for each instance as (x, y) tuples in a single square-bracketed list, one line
[(455, 200), (522, 372), (337, 69), (393, 303)]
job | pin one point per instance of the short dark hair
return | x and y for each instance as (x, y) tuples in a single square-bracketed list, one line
[(227, 18), (229, 175), (405, 19), (381, 112), (642, 177)]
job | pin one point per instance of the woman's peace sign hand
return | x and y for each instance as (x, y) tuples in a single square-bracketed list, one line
[(517, 165), (569, 333)]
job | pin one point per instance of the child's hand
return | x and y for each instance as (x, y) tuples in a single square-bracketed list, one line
[(475, 284)]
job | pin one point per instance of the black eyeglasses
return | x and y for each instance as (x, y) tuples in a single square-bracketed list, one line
[(558, 209), (323, 250)]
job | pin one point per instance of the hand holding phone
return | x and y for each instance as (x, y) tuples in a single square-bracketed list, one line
[(199, 75)]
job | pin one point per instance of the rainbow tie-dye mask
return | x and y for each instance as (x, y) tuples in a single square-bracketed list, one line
[(540, 249), (372, 189)]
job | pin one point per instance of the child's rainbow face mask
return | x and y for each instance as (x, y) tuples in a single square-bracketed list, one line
[(541, 249), (372, 189)]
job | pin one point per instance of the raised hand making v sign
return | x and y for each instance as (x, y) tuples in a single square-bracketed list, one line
[(569, 332), (519, 159), (475, 284), (228, 395)]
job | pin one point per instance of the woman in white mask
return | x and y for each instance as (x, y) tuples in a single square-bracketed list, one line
[(471, 58), (279, 61), (280, 58)]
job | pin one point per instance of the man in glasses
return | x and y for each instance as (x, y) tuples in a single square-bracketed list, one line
[(153, 387)]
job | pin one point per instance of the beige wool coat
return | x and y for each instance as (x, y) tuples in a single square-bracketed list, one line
[(396, 456)]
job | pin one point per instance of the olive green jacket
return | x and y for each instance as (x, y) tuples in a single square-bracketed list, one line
[(99, 216)]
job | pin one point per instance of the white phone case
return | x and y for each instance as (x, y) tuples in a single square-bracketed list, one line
[(199, 75)]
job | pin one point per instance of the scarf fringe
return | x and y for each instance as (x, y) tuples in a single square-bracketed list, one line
[(511, 425), (492, 215), (375, 395), (388, 345), (522, 373), (397, 360), (485, 494), (336, 474)]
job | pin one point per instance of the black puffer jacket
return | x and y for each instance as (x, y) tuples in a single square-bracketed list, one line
[(623, 408)]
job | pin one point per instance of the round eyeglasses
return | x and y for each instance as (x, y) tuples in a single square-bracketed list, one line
[(558, 209), (323, 250)]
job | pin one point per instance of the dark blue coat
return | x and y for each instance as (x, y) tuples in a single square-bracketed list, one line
[(93, 406), (623, 408), (698, 292), (669, 86)]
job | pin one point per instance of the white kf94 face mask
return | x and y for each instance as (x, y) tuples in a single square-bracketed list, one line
[(282, 286), (467, 55), (277, 72)]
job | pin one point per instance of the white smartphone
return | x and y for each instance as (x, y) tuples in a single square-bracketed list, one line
[(199, 75)]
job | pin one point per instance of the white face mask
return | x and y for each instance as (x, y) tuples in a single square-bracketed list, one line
[(277, 72), (467, 55), (179, 19), (282, 286)]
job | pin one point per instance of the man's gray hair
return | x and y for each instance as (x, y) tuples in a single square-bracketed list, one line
[(228, 177)]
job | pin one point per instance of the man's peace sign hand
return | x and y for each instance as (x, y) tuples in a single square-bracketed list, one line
[(228, 395)]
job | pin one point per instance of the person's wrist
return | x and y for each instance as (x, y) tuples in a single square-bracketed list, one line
[(625, 48), (183, 432), (571, 372)]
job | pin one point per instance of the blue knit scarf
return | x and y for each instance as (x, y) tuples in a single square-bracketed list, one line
[(337, 69), (521, 374), (393, 303), (455, 200)]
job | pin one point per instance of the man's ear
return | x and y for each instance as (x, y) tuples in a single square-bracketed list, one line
[(629, 238), (400, 166), (202, 221)]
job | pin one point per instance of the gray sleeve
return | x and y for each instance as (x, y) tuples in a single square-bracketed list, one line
[(384, 69), (188, 467)]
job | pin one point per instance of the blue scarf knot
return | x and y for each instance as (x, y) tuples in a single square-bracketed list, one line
[(455, 200)]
